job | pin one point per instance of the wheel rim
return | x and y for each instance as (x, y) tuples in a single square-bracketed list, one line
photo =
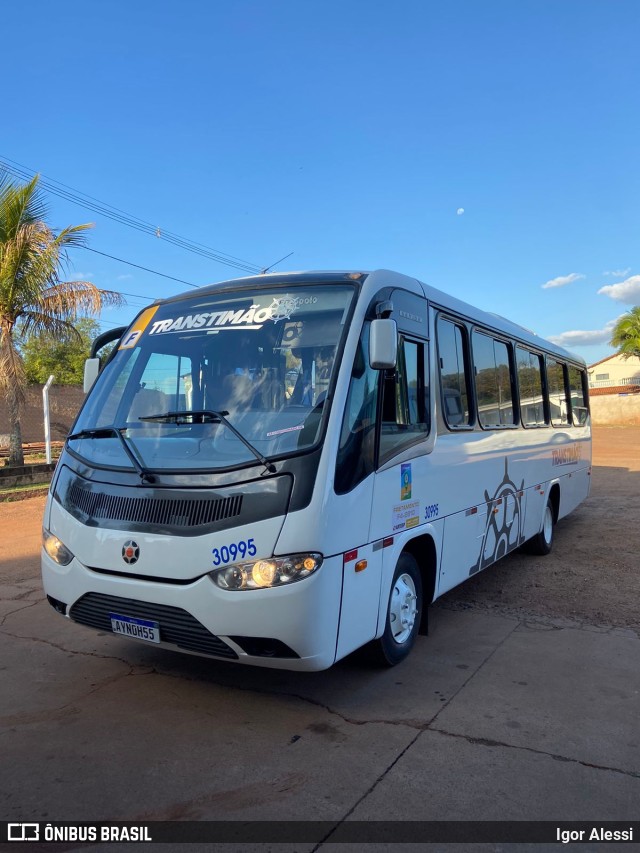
[(547, 526), (403, 608)]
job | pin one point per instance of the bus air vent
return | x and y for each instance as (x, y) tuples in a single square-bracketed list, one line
[(163, 512)]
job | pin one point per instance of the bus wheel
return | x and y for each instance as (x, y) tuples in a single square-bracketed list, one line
[(542, 543), (403, 613)]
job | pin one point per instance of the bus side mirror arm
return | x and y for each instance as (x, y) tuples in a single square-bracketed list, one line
[(383, 344), (92, 364), (106, 338)]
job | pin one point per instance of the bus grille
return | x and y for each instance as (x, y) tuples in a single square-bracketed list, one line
[(176, 625), (169, 512)]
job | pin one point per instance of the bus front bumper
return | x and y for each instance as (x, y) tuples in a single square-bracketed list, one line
[(293, 627)]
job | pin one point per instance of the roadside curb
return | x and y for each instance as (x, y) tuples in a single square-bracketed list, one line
[(11, 495)]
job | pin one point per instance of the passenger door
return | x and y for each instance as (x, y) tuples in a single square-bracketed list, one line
[(402, 499), (350, 507)]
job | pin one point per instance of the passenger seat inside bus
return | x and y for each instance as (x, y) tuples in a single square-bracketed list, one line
[(148, 401), (238, 392)]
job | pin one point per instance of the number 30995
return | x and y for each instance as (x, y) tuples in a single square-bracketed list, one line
[(229, 553)]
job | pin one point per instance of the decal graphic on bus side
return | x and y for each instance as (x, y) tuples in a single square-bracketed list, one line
[(566, 455), (504, 523), (135, 332), (405, 482)]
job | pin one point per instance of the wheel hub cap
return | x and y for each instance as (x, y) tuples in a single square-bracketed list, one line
[(403, 608)]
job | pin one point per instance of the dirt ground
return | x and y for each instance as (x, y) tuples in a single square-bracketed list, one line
[(591, 577)]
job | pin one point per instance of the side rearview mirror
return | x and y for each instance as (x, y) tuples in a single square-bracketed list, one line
[(383, 344), (92, 364), (91, 370)]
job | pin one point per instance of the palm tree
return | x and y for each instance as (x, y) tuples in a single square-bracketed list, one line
[(33, 299), (626, 334)]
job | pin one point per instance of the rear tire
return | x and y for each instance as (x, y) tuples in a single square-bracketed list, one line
[(542, 542), (404, 612)]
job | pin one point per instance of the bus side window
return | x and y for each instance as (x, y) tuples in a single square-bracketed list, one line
[(530, 383), (405, 407), (454, 374), (558, 398), (494, 380), (579, 405)]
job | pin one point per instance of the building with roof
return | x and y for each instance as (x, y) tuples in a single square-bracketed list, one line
[(614, 375)]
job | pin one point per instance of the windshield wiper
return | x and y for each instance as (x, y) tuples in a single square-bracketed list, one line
[(213, 417), (105, 432)]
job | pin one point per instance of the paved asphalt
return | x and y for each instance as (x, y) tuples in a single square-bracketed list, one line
[(495, 716)]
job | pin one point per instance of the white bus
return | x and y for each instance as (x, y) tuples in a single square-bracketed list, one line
[(281, 469)]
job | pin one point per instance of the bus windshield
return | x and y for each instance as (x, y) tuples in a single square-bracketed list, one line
[(263, 359)]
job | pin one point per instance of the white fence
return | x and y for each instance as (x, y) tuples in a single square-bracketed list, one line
[(611, 383)]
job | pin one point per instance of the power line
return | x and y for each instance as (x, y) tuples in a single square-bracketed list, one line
[(137, 266), (109, 323), (83, 200), (61, 190), (136, 296)]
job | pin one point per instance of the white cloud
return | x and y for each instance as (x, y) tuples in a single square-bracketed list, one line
[(562, 280), (82, 276), (627, 291), (588, 338), (617, 273), (125, 277)]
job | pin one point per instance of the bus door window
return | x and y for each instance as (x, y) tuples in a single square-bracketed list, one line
[(405, 408), (303, 391), (356, 452), (308, 377)]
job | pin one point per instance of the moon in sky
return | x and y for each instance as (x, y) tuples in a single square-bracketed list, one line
[(460, 211)]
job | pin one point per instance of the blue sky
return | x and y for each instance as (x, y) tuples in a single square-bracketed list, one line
[(351, 134)]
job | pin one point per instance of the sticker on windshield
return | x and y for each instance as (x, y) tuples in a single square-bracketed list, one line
[(286, 429), (285, 306), (253, 317), (133, 335)]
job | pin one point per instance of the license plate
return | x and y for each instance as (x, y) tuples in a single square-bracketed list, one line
[(139, 629)]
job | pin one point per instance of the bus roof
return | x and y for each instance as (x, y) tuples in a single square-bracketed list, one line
[(380, 278), (497, 322)]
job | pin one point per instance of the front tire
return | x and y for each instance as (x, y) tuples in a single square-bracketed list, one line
[(404, 612), (542, 542)]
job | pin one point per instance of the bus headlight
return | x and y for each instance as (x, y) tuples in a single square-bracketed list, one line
[(55, 548), (263, 574)]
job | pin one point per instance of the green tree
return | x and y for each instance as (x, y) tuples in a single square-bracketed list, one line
[(33, 298), (63, 356), (626, 334)]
